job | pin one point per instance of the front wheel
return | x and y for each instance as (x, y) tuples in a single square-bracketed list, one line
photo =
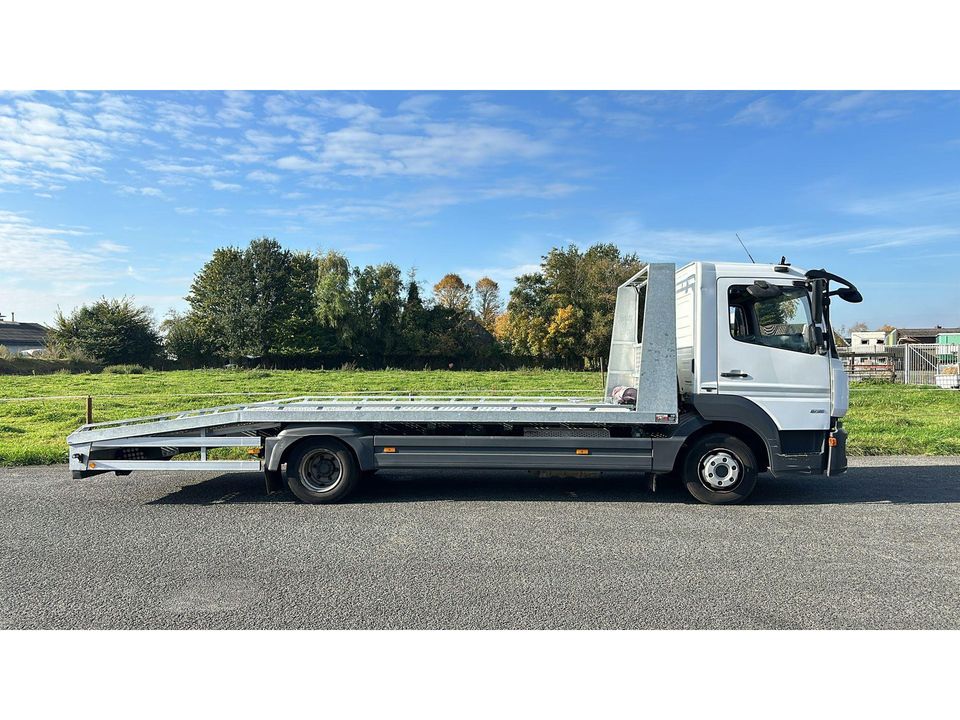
[(321, 471), (720, 469)]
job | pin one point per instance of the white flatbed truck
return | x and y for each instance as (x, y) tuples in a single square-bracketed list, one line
[(731, 370)]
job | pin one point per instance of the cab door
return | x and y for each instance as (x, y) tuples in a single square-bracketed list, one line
[(767, 351)]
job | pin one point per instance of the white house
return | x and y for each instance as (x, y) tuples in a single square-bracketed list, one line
[(868, 342), (22, 338)]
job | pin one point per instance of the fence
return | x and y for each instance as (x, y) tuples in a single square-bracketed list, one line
[(912, 364)]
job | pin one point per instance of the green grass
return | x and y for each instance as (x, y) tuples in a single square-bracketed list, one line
[(882, 419)]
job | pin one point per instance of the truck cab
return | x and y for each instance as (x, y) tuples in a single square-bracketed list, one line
[(755, 355)]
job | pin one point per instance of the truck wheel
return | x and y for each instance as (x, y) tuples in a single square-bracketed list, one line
[(720, 469), (321, 471)]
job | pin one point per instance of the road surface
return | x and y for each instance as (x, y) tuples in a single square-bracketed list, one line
[(876, 548)]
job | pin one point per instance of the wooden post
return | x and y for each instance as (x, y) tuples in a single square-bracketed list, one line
[(89, 409)]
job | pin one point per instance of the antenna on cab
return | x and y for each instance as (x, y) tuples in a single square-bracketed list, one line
[(745, 249)]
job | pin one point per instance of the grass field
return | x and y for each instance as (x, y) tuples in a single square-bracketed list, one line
[(35, 417)]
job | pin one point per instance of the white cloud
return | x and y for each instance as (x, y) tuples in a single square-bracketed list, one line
[(181, 168), (73, 270), (417, 204), (764, 112), (548, 191), (905, 202), (117, 113), (592, 108), (181, 120), (217, 185), (41, 144), (439, 149), (295, 162), (108, 246), (418, 104), (235, 108), (266, 140), (263, 176), (145, 191), (357, 112)]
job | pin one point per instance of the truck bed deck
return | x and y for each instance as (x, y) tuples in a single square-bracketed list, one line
[(369, 408), (151, 442)]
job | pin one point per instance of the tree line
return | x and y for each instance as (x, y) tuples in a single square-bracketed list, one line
[(271, 306)]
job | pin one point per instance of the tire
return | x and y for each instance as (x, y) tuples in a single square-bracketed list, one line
[(321, 471), (719, 469)]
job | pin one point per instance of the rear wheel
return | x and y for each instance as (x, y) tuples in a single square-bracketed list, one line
[(321, 471), (720, 469)]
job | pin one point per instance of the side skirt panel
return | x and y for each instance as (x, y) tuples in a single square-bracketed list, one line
[(495, 452)]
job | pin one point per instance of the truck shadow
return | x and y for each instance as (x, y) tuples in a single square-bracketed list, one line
[(900, 485)]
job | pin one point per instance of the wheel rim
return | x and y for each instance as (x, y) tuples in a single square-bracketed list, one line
[(320, 471), (720, 470)]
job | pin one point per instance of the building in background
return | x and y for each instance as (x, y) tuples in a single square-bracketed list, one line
[(920, 336), (868, 356), (22, 338)]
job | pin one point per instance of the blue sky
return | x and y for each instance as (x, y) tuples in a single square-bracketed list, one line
[(129, 192)]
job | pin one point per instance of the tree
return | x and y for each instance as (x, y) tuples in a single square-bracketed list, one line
[(112, 331), (220, 299), (859, 327), (489, 304), (565, 312), (255, 302), (377, 307), (414, 319), (185, 342), (333, 302), (451, 292)]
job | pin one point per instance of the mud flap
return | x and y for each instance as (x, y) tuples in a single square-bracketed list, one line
[(273, 480), (837, 452)]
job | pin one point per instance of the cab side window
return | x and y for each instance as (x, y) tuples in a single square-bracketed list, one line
[(781, 322)]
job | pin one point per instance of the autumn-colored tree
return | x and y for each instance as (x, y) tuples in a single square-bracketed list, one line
[(452, 293), (562, 340), (489, 305), (573, 299), (501, 328)]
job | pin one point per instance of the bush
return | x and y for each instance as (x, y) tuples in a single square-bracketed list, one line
[(131, 369), (874, 381), (110, 331), (6, 354)]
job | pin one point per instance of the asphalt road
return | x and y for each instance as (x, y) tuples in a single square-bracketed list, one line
[(876, 548)]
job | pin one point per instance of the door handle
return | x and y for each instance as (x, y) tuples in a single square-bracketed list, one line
[(734, 373)]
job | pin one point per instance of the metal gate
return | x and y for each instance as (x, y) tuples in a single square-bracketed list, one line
[(911, 364), (931, 365)]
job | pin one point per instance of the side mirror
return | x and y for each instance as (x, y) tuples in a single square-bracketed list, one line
[(850, 295)]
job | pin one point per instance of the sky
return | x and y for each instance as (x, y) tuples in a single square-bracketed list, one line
[(129, 193)]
